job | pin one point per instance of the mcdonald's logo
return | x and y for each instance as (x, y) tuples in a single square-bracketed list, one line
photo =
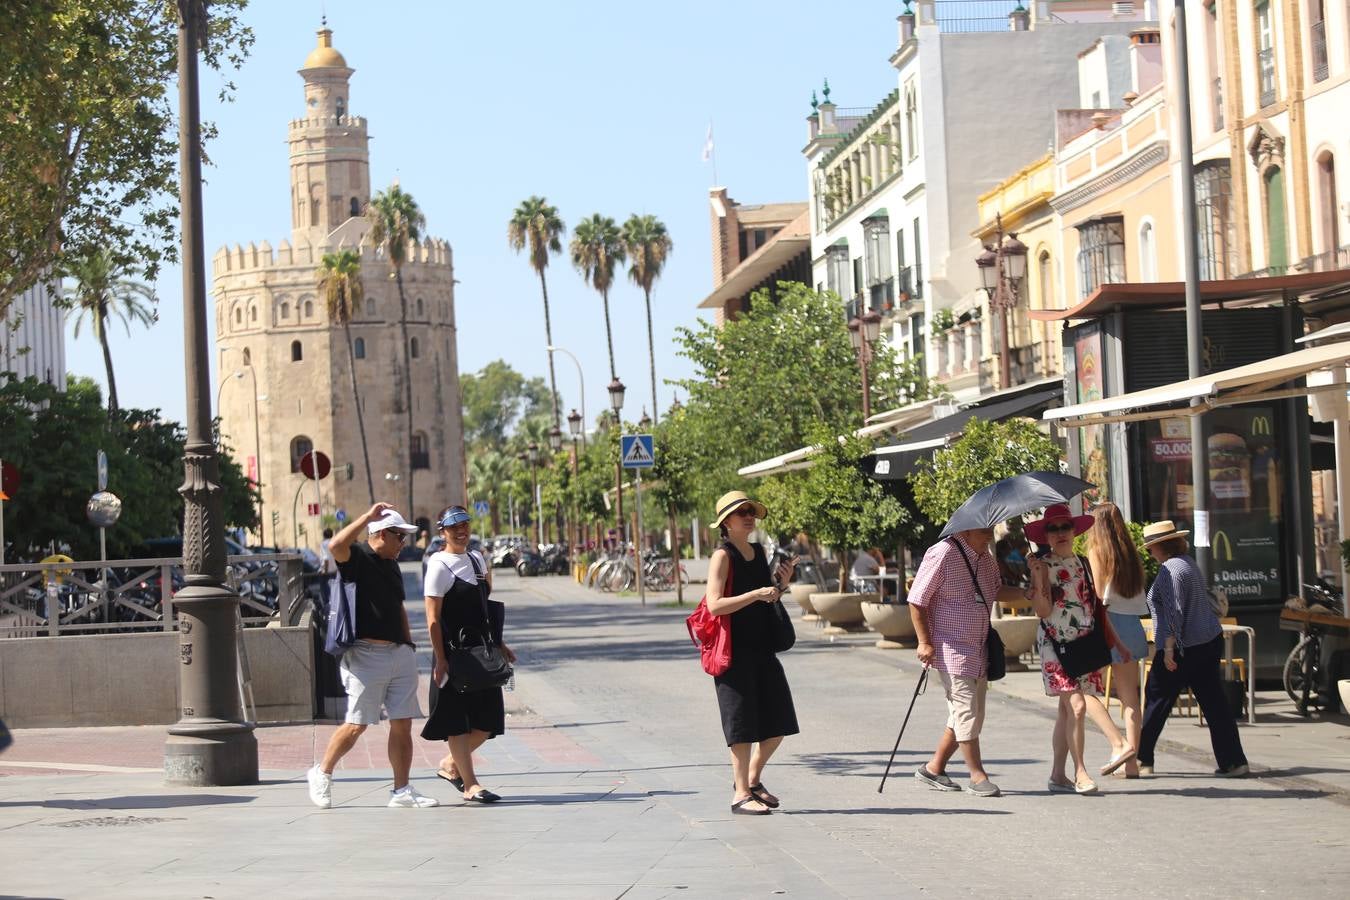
[(1223, 547), (1260, 425)]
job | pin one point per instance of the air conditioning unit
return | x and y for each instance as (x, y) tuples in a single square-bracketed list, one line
[(1122, 8)]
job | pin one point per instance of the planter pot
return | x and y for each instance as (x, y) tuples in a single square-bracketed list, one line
[(1019, 635), (1344, 687), (892, 621), (842, 611), (802, 594)]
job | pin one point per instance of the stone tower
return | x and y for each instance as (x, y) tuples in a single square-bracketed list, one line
[(272, 326)]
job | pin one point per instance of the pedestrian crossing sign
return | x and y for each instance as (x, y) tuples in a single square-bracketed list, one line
[(636, 451), (481, 508)]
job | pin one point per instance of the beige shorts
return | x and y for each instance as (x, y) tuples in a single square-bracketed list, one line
[(965, 705)]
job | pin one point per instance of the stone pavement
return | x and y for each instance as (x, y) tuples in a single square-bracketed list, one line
[(616, 784)]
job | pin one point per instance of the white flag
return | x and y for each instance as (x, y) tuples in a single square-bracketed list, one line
[(708, 145)]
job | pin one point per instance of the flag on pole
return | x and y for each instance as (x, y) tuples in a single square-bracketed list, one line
[(708, 145)]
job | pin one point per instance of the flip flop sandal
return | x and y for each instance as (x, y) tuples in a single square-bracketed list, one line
[(454, 780), (738, 808), (761, 793), (483, 796)]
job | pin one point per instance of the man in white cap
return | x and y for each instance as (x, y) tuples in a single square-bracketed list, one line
[(380, 669)]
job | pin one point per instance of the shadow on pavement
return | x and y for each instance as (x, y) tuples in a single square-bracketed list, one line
[(147, 801), (898, 811)]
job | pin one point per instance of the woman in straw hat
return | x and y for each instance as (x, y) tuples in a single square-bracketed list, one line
[(1066, 601), (1190, 644), (753, 694)]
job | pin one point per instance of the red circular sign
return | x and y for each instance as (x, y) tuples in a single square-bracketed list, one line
[(9, 478), (307, 464)]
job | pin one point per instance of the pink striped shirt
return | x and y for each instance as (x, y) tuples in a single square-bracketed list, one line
[(957, 621)]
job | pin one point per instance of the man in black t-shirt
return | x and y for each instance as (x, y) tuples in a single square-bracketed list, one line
[(380, 669)]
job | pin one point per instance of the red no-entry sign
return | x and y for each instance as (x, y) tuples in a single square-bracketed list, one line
[(308, 461)]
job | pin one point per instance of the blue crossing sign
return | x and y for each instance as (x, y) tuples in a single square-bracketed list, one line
[(635, 450), (481, 508)]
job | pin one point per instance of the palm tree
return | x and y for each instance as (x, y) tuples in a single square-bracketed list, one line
[(648, 246), (343, 292), (488, 471), (99, 292), (396, 224), (536, 224), (597, 249)]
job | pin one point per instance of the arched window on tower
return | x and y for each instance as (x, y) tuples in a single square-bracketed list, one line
[(359, 348), (413, 347), (297, 352), (341, 107), (253, 314), (309, 309), (285, 311), (248, 357), (421, 455), (238, 316), (301, 447), (421, 310), (356, 207)]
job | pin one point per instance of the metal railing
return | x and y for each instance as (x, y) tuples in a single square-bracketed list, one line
[(882, 295), (1318, 40), (956, 16), (1266, 69), (136, 595)]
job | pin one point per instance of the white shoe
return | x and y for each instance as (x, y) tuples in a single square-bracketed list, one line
[(408, 798), (320, 788)]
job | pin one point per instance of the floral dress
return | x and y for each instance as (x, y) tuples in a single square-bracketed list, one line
[(1071, 615)]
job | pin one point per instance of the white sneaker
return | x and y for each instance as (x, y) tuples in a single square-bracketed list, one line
[(320, 788), (408, 798)]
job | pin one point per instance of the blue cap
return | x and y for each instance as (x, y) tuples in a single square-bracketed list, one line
[(454, 516)]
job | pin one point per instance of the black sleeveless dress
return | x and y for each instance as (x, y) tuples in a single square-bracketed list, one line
[(453, 713), (753, 694)]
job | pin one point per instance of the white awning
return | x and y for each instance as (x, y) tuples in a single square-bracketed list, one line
[(1244, 384), (892, 420)]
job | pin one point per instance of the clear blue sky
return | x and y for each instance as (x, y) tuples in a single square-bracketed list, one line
[(600, 107)]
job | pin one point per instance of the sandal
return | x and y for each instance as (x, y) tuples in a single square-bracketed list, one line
[(738, 808), (453, 779), (761, 793), (1118, 760)]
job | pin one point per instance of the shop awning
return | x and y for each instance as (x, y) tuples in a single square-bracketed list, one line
[(1244, 384), (1231, 293), (891, 420)]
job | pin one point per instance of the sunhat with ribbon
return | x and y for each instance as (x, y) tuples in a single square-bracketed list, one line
[(731, 501), (1056, 512), (1157, 532)]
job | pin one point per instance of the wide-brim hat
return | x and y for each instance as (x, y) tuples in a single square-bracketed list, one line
[(1157, 532), (390, 519), (1056, 512), (731, 501)]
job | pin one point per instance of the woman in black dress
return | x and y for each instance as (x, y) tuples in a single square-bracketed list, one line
[(457, 603), (752, 694)]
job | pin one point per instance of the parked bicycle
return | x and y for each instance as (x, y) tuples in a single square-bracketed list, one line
[(1306, 680)]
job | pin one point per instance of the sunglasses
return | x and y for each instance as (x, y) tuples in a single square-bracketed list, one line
[(745, 511), (395, 534), (1062, 526)]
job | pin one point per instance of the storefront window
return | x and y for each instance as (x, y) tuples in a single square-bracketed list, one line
[(1245, 494)]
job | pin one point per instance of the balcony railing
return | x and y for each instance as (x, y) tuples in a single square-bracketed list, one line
[(1266, 68), (1319, 50), (905, 282), (882, 295), (1024, 365)]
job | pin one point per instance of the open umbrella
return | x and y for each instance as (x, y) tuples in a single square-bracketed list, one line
[(1013, 496)]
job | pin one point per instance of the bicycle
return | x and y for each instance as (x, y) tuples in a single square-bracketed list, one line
[(1306, 680)]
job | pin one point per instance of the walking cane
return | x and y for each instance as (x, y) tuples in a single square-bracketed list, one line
[(918, 689)]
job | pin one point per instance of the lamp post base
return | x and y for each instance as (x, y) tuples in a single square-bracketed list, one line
[(222, 754)]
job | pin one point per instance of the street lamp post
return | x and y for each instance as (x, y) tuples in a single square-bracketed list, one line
[(555, 439), (574, 426), (581, 379), (1002, 266), (616, 390), (863, 332), (210, 744)]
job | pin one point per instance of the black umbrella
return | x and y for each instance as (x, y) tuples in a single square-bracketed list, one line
[(1013, 496)]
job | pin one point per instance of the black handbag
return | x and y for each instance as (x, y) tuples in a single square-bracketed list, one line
[(1088, 652), (784, 634), (476, 662), (995, 654)]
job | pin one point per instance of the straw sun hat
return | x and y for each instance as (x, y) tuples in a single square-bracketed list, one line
[(731, 501)]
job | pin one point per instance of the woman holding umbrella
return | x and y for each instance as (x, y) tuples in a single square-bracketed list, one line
[(1066, 601)]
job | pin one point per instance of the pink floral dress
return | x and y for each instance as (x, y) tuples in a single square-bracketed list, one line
[(1071, 615)]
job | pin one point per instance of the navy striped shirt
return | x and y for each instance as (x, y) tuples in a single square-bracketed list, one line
[(1180, 605)]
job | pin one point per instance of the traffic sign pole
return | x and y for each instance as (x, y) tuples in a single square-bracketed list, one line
[(2, 516), (318, 498), (642, 589)]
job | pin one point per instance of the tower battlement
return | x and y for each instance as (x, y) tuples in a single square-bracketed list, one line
[(240, 259), (328, 122)]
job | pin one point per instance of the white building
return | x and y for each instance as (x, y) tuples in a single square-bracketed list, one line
[(894, 188), (33, 336)]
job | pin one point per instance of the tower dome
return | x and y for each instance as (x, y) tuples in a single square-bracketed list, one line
[(324, 56)]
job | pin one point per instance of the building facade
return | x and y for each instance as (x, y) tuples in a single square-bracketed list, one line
[(284, 367), (33, 336), (754, 247)]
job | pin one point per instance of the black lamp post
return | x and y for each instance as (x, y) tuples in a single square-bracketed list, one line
[(1002, 266), (210, 744), (863, 332), (532, 452), (646, 421), (616, 390)]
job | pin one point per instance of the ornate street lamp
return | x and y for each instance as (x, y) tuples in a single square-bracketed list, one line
[(863, 332), (646, 421), (616, 390), (555, 439), (1002, 266), (574, 424)]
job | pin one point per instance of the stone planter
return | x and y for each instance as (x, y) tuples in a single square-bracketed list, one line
[(892, 621), (1019, 636), (802, 594), (842, 611)]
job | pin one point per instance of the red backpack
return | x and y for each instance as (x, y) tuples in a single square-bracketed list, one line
[(712, 634)]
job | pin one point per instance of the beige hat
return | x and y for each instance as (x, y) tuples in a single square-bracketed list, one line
[(733, 500), (1157, 532)]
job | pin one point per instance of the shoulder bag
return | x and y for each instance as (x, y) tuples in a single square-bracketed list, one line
[(995, 659), (476, 662), (784, 635), (712, 634), (1089, 652), (340, 631)]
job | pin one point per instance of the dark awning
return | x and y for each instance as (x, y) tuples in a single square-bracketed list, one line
[(898, 461)]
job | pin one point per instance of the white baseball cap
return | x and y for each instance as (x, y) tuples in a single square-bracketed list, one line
[(390, 519)]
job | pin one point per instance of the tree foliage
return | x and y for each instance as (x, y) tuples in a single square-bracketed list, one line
[(98, 292), (88, 131), (53, 438), (985, 453)]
